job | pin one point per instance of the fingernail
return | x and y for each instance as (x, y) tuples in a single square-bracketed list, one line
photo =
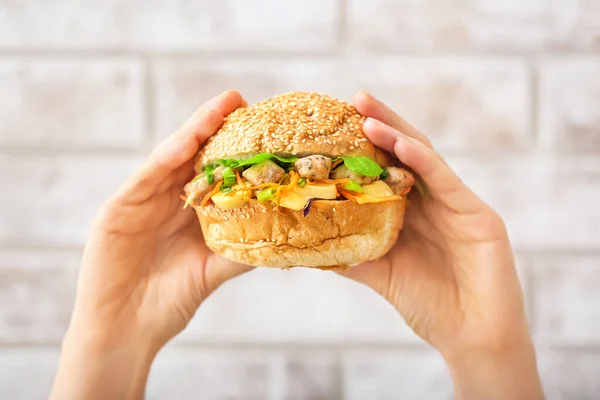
[(367, 94), (377, 123)]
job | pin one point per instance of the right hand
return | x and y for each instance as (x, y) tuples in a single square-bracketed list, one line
[(451, 274)]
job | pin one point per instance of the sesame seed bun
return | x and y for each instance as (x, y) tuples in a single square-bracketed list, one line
[(334, 234), (299, 123)]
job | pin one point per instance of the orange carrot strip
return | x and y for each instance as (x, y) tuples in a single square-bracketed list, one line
[(238, 178), (278, 195), (336, 163), (207, 197), (347, 194)]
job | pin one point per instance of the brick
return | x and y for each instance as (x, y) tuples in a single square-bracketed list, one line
[(37, 291), (567, 302), (307, 375), (200, 25), (540, 197), (27, 373), (238, 24), (384, 25), (181, 88), (391, 374), (69, 24), (67, 102), (54, 199), (569, 94), (186, 373), (298, 306), (461, 103), (569, 374)]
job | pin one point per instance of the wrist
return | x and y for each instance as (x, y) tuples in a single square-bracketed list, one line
[(94, 366), (495, 372)]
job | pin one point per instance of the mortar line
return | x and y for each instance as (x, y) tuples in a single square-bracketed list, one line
[(295, 346), (149, 102), (522, 251), (302, 346), (343, 28), (446, 153), (529, 287), (340, 374), (533, 69), (287, 53), (62, 151)]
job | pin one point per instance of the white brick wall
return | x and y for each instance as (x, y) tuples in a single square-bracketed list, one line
[(508, 91), (71, 103)]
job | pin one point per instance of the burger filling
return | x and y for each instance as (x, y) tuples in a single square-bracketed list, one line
[(293, 182)]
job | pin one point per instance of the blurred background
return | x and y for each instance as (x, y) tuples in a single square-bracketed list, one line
[(509, 92)]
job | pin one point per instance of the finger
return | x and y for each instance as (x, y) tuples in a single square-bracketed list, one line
[(369, 106), (180, 147), (225, 103), (375, 274), (441, 181), (166, 159), (219, 270), (185, 143)]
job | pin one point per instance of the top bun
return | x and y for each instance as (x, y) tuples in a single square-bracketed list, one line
[(298, 123)]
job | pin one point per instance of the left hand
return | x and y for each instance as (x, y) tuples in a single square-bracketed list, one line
[(145, 268)]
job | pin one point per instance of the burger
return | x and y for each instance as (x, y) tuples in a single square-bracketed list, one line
[(292, 181)]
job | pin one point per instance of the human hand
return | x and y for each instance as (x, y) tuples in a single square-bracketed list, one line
[(451, 274), (145, 269)]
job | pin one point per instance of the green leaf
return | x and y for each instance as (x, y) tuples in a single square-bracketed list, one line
[(233, 163), (363, 165), (210, 178), (353, 186), (207, 171), (228, 177), (385, 173), (266, 194)]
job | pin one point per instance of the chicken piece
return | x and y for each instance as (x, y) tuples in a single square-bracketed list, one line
[(399, 179), (314, 167), (198, 188), (264, 172), (218, 173), (343, 172)]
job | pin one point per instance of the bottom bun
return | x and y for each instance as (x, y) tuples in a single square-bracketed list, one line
[(334, 234)]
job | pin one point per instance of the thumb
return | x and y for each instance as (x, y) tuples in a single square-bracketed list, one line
[(218, 270)]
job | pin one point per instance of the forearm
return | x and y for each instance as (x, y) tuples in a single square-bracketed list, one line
[(510, 374), (90, 370)]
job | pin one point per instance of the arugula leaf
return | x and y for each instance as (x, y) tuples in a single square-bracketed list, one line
[(362, 165), (234, 163)]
